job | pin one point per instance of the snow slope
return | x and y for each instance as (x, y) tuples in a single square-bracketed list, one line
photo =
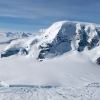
[(70, 69)]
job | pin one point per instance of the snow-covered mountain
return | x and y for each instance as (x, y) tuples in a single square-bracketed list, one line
[(7, 37), (68, 72), (15, 34), (59, 38)]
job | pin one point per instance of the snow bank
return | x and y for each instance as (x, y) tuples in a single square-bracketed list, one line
[(3, 84)]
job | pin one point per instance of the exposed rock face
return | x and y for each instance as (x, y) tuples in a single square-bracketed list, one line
[(87, 36), (13, 52), (43, 50), (98, 60), (9, 53)]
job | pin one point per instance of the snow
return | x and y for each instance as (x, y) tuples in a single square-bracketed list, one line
[(3, 84), (70, 73), (61, 37), (53, 93), (67, 61), (70, 69)]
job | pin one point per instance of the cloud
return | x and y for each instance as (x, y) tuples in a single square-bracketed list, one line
[(48, 9), (39, 8), (27, 9), (45, 12)]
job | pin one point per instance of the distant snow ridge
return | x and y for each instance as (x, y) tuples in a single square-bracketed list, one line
[(61, 37), (15, 34), (23, 35)]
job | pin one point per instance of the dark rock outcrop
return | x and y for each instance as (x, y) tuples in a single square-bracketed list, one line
[(98, 60), (13, 52), (9, 53), (43, 51)]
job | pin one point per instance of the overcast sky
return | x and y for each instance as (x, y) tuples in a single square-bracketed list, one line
[(32, 15)]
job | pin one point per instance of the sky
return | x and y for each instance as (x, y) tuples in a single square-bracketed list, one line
[(33, 15)]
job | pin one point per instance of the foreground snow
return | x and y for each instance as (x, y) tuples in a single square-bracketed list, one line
[(50, 93), (70, 69)]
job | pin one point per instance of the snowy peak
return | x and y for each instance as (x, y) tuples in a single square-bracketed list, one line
[(16, 34), (59, 38), (84, 34), (23, 35)]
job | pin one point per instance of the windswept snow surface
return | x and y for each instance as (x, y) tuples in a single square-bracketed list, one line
[(70, 50), (53, 93)]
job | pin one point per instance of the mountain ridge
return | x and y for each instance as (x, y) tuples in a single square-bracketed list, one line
[(59, 38)]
